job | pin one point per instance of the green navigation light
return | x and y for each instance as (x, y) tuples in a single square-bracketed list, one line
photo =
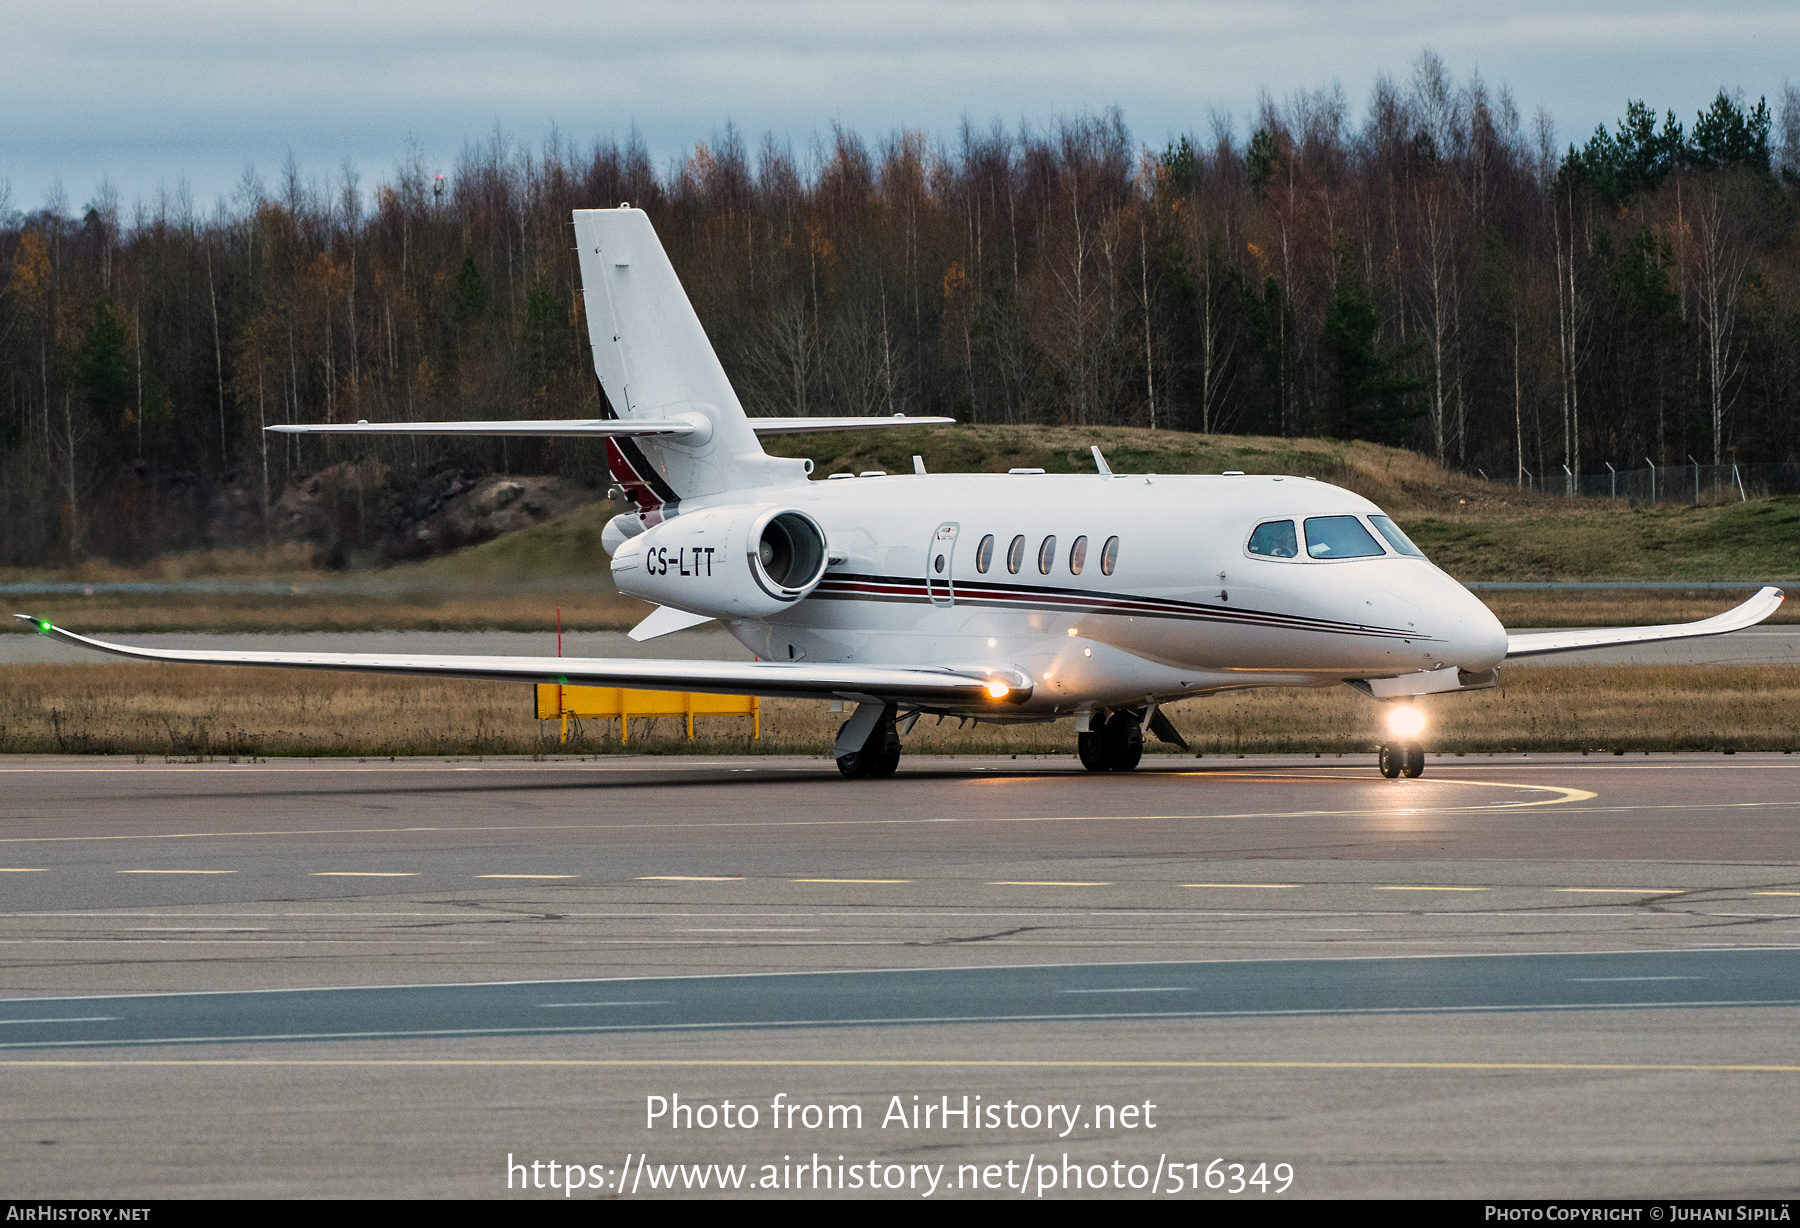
[(43, 626)]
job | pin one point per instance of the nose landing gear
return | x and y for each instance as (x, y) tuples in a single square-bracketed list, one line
[(1401, 760)]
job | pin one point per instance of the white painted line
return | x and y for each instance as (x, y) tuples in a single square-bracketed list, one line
[(558, 1005), (174, 871), (690, 878), (192, 929), (77, 1019), (849, 880), (767, 929), (528, 876), (365, 874), (18, 870), (1138, 989), (1621, 890), (1596, 979), (1431, 889)]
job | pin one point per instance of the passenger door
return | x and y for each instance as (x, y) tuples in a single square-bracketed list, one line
[(940, 561)]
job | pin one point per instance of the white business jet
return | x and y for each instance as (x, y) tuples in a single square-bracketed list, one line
[(1009, 598)]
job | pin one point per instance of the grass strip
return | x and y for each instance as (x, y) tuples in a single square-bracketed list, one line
[(202, 712)]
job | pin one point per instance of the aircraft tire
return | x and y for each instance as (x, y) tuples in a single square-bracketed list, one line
[(1124, 741), (1092, 749), (853, 765), (1389, 759), (1414, 765), (880, 764)]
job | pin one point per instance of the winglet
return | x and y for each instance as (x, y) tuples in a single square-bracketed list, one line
[(42, 625), (1100, 464), (1537, 643)]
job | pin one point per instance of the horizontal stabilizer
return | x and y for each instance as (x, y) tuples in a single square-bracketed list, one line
[(570, 427), (961, 688), (599, 427), (797, 426), (1538, 643)]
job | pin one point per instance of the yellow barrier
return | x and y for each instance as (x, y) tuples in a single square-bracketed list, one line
[(560, 702)]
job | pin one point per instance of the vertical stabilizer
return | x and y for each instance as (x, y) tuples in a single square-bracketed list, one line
[(654, 361)]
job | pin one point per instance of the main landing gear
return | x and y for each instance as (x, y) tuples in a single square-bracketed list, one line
[(1113, 746), (1402, 759), (877, 753)]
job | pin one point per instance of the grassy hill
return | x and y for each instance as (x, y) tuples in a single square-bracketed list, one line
[(1474, 529)]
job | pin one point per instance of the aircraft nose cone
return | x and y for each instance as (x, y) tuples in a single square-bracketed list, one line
[(1477, 640)]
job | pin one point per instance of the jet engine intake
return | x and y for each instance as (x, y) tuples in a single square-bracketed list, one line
[(731, 562)]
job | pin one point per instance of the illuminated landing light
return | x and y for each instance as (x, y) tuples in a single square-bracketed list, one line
[(997, 689), (1406, 722)]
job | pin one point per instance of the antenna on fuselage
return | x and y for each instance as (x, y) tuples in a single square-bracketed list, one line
[(1100, 465)]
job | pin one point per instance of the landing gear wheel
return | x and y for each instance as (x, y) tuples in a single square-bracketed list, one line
[(1389, 758), (1092, 749), (1414, 765), (1123, 739), (879, 755)]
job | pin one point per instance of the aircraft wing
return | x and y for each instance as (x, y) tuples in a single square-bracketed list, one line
[(773, 679), (1538, 643)]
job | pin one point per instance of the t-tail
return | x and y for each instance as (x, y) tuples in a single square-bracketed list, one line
[(656, 363)]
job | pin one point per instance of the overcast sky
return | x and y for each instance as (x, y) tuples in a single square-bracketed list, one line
[(151, 93)]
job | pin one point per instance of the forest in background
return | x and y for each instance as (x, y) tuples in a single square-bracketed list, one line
[(1441, 273)]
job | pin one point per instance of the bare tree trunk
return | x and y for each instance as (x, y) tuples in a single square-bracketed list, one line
[(137, 347), (71, 488), (1518, 405), (262, 435), (1149, 363), (1722, 267), (218, 360), (1443, 316)]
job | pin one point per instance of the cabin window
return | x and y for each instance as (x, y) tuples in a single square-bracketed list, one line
[(1276, 540), (984, 554), (1047, 555), (1109, 556), (1015, 554), (1340, 537), (1395, 538), (1078, 555)]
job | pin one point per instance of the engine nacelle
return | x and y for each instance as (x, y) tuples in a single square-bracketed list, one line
[(729, 562)]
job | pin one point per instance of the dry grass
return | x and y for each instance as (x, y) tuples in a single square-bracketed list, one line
[(188, 712), (291, 558), (1619, 607)]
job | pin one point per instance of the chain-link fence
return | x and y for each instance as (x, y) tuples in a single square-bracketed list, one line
[(1684, 483)]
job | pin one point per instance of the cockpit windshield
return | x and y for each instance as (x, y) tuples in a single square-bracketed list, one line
[(1276, 539), (1339, 537), (1399, 541)]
